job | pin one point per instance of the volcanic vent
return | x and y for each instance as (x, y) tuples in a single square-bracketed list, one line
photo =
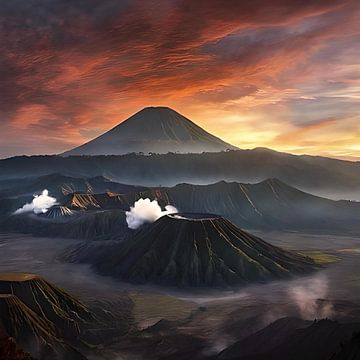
[(199, 250)]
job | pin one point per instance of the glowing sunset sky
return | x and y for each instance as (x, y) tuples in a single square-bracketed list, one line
[(283, 74)]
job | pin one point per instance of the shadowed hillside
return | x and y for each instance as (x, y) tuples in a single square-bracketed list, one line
[(292, 338), (270, 204), (89, 225)]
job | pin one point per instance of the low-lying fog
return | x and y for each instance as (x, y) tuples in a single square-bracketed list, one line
[(339, 282)]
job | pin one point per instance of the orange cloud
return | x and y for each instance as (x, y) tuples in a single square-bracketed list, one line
[(265, 70)]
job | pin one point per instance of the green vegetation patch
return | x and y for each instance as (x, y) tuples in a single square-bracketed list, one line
[(320, 257)]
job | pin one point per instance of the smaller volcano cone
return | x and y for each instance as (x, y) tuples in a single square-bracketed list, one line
[(46, 300), (200, 250)]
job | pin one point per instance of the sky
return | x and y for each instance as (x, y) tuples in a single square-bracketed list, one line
[(283, 74)]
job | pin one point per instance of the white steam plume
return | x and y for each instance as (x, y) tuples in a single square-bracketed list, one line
[(306, 298), (145, 211), (40, 204)]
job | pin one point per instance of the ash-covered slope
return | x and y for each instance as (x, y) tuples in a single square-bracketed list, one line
[(53, 303), (50, 324), (270, 205), (20, 321), (58, 211), (153, 129), (103, 201), (43, 319), (199, 250)]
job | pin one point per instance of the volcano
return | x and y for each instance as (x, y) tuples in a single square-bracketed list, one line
[(156, 130), (45, 299), (199, 250), (43, 319)]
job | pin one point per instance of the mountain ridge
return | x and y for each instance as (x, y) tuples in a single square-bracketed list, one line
[(325, 177), (267, 205)]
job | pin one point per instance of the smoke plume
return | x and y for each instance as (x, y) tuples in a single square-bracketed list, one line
[(40, 204), (307, 296), (146, 211)]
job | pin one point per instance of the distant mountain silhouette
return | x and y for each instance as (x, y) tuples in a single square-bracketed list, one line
[(326, 177), (153, 129)]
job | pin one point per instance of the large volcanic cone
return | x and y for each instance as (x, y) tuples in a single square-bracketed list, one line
[(199, 250), (153, 129)]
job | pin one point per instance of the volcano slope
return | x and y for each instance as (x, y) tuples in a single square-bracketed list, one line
[(50, 324), (43, 319), (267, 205), (33, 333), (198, 250), (153, 129), (46, 299)]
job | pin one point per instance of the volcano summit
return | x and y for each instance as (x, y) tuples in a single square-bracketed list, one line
[(153, 129)]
